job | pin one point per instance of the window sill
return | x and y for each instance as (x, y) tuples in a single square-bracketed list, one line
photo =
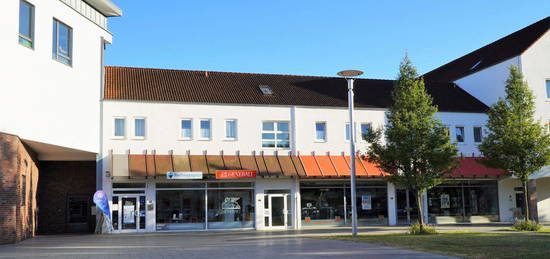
[(319, 141), (204, 139), (61, 62), (118, 138), (138, 138), (229, 139), (185, 139)]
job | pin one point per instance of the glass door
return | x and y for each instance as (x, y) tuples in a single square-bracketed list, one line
[(278, 211), (129, 219)]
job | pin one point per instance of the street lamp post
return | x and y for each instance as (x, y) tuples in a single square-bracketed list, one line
[(348, 75)]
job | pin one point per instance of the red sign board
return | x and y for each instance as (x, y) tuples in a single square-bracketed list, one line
[(235, 174)]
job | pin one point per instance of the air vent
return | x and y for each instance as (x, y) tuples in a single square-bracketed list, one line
[(265, 90)]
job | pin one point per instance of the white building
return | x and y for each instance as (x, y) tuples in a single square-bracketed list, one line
[(483, 74), (290, 130), (52, 77)]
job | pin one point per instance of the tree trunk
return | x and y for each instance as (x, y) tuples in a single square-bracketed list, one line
[(526, 200), (420, 209)]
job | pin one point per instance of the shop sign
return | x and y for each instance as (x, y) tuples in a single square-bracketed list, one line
[(235, 174), (184, 175), (366, 202)]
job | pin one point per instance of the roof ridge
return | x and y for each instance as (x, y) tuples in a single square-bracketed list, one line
[(238, 73)]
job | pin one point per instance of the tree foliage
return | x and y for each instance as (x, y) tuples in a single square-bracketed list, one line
[(414, 148), (515, 141)]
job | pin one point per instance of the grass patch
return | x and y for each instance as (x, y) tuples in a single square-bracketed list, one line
[(466, 244)]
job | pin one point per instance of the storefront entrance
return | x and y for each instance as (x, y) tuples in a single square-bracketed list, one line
[(276, 211), (129, 215)]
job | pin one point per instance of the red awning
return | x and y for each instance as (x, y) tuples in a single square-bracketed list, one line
[(469, 167)]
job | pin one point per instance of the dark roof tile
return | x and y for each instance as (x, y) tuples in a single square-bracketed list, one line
[(168, 85)]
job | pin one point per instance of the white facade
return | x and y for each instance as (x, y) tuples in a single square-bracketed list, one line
[(163, 135), (489, 84), (162, 131), (46, 102)]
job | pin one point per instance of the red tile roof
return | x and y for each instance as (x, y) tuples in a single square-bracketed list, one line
[(501, 50), (187, 86)]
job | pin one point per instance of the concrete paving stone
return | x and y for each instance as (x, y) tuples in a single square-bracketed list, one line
[(219, 245)]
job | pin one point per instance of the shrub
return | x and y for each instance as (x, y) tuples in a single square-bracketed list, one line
[(418, 229), (527, 225)]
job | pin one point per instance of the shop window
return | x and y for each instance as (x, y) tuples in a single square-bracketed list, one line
[(478, 134), (462, 199), (115, 212), (275, 134), (26, 24), (322, 206), (372, 205), (230, 209), (321, 131), (180, 210), (459, 133)]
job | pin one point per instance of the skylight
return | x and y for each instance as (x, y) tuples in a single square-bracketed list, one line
[(475, 65), (265, 90)]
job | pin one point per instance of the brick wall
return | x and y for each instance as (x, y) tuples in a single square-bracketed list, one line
[(58, 181), (18, 188)]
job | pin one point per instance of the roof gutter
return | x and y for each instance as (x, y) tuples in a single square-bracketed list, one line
[(106, 7)]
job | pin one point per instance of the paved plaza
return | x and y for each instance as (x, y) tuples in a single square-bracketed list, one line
[(219, 244)]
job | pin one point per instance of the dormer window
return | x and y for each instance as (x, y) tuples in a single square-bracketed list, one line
[(475, 65), (266, 90)]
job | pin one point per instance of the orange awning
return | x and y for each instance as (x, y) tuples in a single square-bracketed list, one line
[(137, 166), (359, 169), (310, 166), (327, 168), (341, 166)]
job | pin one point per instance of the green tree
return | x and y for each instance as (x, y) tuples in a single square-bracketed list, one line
[(515, 141), (417, 150)]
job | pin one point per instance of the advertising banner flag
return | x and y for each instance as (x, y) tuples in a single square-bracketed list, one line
[(104, 217)]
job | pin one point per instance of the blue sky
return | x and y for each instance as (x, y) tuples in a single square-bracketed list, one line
[(310, 37)]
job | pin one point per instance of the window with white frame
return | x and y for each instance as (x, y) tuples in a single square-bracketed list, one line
[(139, 127), (231, 129), (186, 129), (321, 131), (478, 134), (347, 133), (205, 129), (547, 89), (26, 24), (365, 129), (459, 134), (120, 127), (62, 42), (275, 134)]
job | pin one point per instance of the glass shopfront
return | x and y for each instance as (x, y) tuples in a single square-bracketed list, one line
[(199, 205), (329, 203), (462, 200)]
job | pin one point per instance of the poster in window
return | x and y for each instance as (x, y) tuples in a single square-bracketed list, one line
[(128, 214), (366, 202), (445, 201)]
